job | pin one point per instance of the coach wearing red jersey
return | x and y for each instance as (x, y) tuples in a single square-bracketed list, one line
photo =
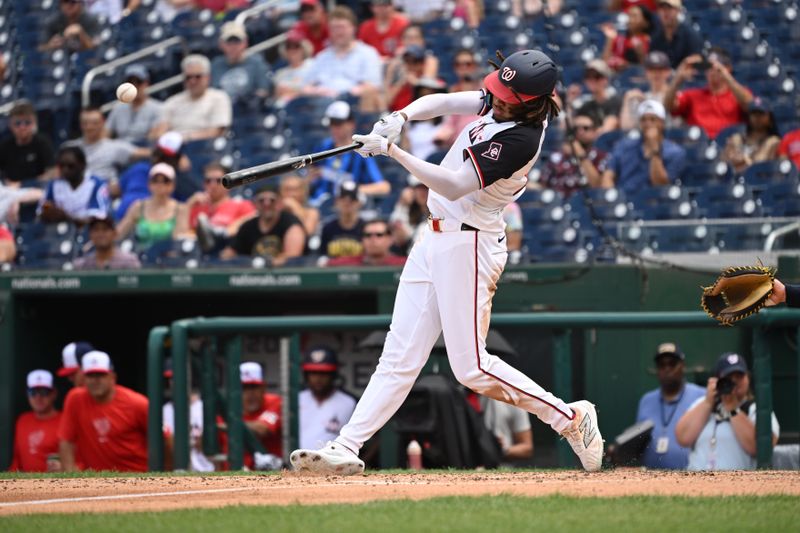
[(36, 433)]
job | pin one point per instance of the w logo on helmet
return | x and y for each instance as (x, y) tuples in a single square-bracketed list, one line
[(507, 74)]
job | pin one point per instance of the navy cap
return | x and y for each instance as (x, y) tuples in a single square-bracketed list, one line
[(759, 104), (137, 70), (728, 363), (669, 349), (320, 359), (348, 189)]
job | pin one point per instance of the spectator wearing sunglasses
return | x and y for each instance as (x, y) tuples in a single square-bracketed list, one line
[(36, 432), (213, 214), (159, 217), (135, 122), (72, 28), (26, 154), (199, 111), (376, 240), (76, 195)]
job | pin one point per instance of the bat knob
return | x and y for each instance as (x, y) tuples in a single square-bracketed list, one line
[(227, 182)]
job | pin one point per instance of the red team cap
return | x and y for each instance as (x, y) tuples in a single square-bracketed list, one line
[(524, 75), (70, 355), (320, 360), (251, 374), (96, 362)]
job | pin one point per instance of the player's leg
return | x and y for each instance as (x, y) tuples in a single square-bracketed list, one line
[(412, 334), (466, 271)]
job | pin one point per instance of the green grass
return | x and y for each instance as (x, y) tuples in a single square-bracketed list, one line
[(496, 514)]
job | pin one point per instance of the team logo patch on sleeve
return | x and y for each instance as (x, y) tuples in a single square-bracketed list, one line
[(493, 152)]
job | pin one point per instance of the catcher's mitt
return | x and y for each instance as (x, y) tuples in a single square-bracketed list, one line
[(738, 293)]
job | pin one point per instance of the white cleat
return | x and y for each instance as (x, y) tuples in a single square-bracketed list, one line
[(332, 459), (584, 436)]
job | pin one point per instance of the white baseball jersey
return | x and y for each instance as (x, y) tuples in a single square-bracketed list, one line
[(321, 422), (502, 154)]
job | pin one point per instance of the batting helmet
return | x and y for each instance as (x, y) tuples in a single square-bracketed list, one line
[(523, 76)]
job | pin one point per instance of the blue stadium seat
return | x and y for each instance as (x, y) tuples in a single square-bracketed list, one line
[(670, 202)]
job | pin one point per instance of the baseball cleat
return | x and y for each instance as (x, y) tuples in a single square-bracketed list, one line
[(584, 436), (332, 459)]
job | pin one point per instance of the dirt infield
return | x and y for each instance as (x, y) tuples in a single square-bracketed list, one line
[(128, 494)]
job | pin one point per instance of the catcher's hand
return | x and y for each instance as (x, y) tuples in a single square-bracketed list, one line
[(738, 293)]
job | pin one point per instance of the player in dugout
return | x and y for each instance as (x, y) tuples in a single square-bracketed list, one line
[(450, 278)]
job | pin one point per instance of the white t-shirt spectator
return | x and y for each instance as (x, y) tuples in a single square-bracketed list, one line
[(321, 422), (89, 199), (185, 115), (362, 64)]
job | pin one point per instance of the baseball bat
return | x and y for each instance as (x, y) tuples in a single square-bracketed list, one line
[(259, 172)]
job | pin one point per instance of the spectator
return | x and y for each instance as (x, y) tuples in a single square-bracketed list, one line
[(760, 140), (135, 122), (790, 147), (112, 10), (395, 73), (199, 111), (213, 214), (602, 100), (376, 243), (470, 11), (240, 75), (313, 24), (721, 103), (220, 7), (26, 154), (71, 28), (290, 80), (168, 9), (262, 411), (341, 237), (329, 173), (648, 159), (511, 426), (578, 159), (104, 425), (275, 234), (465, 68), (158, 217), (400, 88), (105, 255), (384, 29), (720, 427), (294, 192), (71, 354), (666, 405), (134, 183), (104, 156), (8, 250), (36, 432), (76, 195), (12, 197), (529, 8), (2, 67), (421, 12), (625, 5), (657, 71), (631, 46), (673, 36), (347, 67), (324, 408), (409, 218)]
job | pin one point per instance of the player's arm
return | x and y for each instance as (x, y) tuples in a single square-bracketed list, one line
[(439, 104), (452, 184), (66, 452), (522, 447)]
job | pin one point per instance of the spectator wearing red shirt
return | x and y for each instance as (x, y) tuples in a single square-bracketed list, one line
[(8, 250), (313, 24), (721, 103), (221, 6), (629, 47), (376, 239), (213, 214), (384, 30), (104, 425), (261, 411), (36, 433), (626, 5), (790, 147), (70, 368)]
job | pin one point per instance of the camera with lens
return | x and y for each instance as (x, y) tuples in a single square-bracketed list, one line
[(725, 386)]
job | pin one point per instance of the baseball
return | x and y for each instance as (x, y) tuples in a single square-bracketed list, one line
[(126, 92)]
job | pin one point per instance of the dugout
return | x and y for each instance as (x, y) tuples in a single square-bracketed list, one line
[(40, 312)]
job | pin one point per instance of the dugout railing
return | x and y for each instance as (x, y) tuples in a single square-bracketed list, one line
[(226, 337)]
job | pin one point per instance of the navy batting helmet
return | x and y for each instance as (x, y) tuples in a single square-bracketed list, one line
[(523, 76)]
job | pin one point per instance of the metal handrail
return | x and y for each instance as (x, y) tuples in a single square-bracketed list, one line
[(86, 84), (247, 13), (780, 232)]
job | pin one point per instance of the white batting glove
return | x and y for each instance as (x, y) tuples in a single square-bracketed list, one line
[(390, 126), (372, 145)]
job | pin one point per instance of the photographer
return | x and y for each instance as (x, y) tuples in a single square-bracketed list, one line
[(720, 428)]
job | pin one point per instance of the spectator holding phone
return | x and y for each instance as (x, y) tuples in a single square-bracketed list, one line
[(721, 103)]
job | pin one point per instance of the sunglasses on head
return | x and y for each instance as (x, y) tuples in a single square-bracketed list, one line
[(160, 178)]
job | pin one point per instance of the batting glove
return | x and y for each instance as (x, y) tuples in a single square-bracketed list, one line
[(390, 126), (372, 145)]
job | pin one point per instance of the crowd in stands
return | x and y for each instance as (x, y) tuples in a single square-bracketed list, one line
[(660, 99)]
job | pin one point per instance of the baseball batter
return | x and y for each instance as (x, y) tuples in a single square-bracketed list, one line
[(450, 277)]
